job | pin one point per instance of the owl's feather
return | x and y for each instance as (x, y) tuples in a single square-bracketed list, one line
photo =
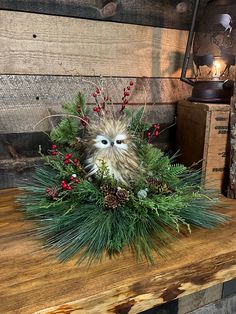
[(109, 141)]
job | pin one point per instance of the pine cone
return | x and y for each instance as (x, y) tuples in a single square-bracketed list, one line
[(107, 189), (111, 201), (163, 189), (153, 182), (122, 195), (158, 187)]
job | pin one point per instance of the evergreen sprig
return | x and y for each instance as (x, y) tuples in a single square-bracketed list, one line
[(71, 212)]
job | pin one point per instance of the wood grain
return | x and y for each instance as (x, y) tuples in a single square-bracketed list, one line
[(22, 90), (201, 140), (162, 13), (53, 45), (25, 100), (32, 281)]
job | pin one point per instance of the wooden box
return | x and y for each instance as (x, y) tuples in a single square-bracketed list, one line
[(203, 138)]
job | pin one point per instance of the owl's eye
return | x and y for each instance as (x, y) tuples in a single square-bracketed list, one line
[(119, 142), (104, 142)]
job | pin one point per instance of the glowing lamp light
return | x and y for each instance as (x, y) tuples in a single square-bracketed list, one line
[(210, 52)]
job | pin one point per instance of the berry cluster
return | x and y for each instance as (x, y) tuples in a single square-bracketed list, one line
[(106, 100), (54, 150), (67, 158), (69, 185), (100, 105), (66, 186), (155, 130), (126, 95)]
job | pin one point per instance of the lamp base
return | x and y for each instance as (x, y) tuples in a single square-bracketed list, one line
[(212, 91)]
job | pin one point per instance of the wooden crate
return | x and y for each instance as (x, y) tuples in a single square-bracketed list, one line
[(203, 138)]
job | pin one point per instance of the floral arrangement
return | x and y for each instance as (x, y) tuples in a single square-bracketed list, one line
[(104, 187)]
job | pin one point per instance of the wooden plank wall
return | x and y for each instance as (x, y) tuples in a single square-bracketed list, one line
[(162, 13), (53, 45), (46, 59)]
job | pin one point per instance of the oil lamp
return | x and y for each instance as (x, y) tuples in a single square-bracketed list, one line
[(211, 49)]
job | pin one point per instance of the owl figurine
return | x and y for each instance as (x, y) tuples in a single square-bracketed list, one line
[(108, 142)]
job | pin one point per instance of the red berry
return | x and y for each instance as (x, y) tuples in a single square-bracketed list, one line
[(69, 188), (66, 162), (122, 107), (98, 90), (96, 109), (77, 181), (54, 153), (64, 186), (149, 134), (76, 160), (126, 93), (156, 133), (131, 83), (126, 102), (48, 190), (128, 87), (63, 182), (68, 156), (156, 126), (54, 146), (94, 95), (72, 178)]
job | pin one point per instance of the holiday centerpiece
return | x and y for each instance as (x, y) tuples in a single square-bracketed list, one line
[(104, 187)]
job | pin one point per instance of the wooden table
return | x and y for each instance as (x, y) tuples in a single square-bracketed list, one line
[(32, 281)]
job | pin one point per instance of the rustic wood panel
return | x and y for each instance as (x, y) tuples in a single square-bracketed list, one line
[(202, 135), (19, 120), (31, 119), (32, 281), (26, 99), (42, 44), (22, 90), (162, 13), (17, 172), (199, 299), (224, 306), (19, 157), (22, 145)]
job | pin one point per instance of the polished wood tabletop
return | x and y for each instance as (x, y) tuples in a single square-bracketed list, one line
[(32, 280)]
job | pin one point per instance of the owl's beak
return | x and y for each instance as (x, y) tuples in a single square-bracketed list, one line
[(112, 144)]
